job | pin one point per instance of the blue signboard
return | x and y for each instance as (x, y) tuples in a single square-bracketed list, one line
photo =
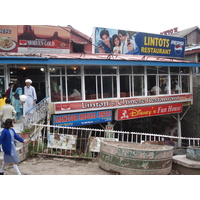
[(85, 118), (137, 43)]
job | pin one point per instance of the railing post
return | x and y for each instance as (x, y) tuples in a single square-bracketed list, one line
[(179, 130)]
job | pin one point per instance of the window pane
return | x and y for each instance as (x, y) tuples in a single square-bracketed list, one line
[(109, 86), (185, 70), (64, 89), (185, 84), (175, 84), (151, 70), (125, 70), (109, 69), (92, 69), (174, 70), (138, 69), (55, 89), (74, 88), (54, 70), (124, 86), (99, 87), (164, 84), (153, 89), (139, 89), (163, 70), (2, 86), (1, 70), (90, 87), (73, 70)]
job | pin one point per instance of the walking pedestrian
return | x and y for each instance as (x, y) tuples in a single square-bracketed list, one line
[(7, 111), (7, 139), (9, 92), (30, 93), (17, 103)]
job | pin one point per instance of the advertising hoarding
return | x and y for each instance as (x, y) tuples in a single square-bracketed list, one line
[(85, 118), (118, 42), (34, 39)]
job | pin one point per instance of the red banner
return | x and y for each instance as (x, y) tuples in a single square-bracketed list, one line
[(148, 111), (62, 107)]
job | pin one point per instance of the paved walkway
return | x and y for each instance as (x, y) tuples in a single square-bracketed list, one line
[(57, 166)]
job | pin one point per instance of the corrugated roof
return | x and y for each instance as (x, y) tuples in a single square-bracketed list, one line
[(185, 32), (89, 56)]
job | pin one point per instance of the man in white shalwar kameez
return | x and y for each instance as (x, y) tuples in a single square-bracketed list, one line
[(30, 93)]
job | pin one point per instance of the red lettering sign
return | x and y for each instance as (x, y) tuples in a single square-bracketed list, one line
[(148, 111)]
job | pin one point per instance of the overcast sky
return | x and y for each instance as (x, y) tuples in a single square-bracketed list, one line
[(151, 16)]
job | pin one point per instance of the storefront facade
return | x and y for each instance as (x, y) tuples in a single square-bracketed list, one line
[(86, 89)]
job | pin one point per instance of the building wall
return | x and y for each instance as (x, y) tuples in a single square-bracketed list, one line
[(193, 37)]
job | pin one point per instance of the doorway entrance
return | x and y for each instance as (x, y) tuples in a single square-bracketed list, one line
[(35, 73)]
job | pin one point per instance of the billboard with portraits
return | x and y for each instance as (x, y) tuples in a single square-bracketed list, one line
[(119, 42)]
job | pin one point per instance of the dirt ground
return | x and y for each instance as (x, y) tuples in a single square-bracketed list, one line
[(60, 166)]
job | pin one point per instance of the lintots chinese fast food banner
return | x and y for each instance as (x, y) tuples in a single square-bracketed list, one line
[(148, 111), (34, 39), (137, 43), (63, 107)]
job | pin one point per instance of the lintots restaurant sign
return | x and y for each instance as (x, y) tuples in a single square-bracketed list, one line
[(129, 42), (149, 111)]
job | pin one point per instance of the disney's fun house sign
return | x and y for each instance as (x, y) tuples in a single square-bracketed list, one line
[(147, 111), (66, 107)]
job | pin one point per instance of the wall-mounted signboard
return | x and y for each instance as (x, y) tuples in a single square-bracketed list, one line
[(85, 118), (118, 42), (34, 39), (148, 111)]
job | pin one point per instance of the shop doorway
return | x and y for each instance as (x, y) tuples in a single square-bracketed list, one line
[(36, 74)]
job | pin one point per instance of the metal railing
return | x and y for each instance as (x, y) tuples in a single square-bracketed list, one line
[(36, 113), (85, 142)]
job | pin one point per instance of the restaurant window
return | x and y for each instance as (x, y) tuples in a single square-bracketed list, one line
[(73, 70), (138, 81), (91, 70), (125, 85), (90, 87), (109, 86), (138, 69), (125, 70), (92, 82), (109, 69), (164, 84), (125, 80), (175, 84), (185, 83), (152, 85), (74, 88), (139, 87), (57, 83)]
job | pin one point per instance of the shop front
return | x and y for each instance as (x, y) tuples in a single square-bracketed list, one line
[(91, 89)]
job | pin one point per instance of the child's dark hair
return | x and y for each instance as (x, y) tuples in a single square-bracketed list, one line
[(8, 123)]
